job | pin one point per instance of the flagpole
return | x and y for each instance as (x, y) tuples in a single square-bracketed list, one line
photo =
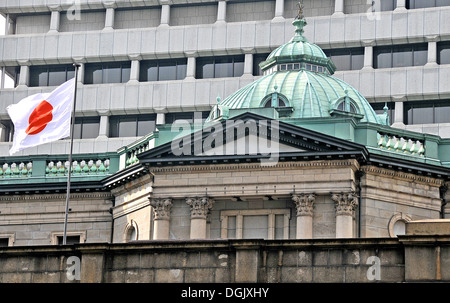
[(70, 153)]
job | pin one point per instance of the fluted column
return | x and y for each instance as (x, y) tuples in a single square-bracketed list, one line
[(200, 208), (346, 204), (304, 204), (161, 211)]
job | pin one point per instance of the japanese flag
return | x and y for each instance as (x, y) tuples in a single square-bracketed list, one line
[(42, 118)]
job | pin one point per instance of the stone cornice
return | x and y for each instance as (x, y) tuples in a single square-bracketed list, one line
[(53, 197), (402, 175), (253, 166)]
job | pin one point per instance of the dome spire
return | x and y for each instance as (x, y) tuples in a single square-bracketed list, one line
[(299, 22)]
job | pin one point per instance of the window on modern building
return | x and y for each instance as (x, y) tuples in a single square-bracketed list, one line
[(400, 55), (12, 75), (69, 240), (161, 70), (412, 4), (383, 5), (219, 67), (379, 109), (187, 116), (427, 112), (131, 125), (443, 52), (4, 242), (111, 72), (86, 127), (6, 131), (257, 59), (346, 58), (50, 75)]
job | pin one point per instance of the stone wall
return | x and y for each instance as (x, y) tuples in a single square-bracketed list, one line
[(407, 259)]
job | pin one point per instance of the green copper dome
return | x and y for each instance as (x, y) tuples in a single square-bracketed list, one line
[(298, 83)]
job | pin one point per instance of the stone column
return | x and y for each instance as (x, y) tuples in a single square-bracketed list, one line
[(55, 21), (248, 65), (200, 207), (103, 131), (221, 11), (304, 204), (279, 10), (401, 5), (346, 204), (109, 19), (191, 66), (160, 118), (134, 71), (398, 115), (24, 75), (432, 53), (368, 57), (338, 7), (161, 211), (165, 14)]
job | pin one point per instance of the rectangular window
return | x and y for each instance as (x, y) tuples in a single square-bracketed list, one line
[(260, 223), (4, 242), (427, 112), (70, 240), (187, 116), (6, 131), (161, 70), (379, 109), (51, 75), (443, 52), (12, 75), (219, 67), (113, 72), (257, 59), (346, 58), (131, 125), (383, 5), (400, 55), (86, 127), (413, 4)]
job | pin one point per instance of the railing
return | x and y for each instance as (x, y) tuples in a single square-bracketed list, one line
[(79, 168), (57, 166), (16, 170), (133, 150), (401, 144)]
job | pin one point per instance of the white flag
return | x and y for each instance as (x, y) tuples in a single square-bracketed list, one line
[(42, 118)]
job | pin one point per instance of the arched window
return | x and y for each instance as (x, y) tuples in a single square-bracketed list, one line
[(280, 103), (352, 108), (275, 100), (397, 224), (131, 232)]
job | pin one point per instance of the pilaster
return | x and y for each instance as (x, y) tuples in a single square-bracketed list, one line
[(304, 204), (161, 211), (200, 208)]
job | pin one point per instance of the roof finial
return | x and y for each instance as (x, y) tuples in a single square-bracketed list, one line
[(300, 10), (299, 22)]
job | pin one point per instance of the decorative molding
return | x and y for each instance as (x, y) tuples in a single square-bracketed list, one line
[(395, 218), (345, 203), (402, 175), (55, 234), (130, 225), (62, 197), (161, 208), (304, 204), (242, 166), (200, 207)]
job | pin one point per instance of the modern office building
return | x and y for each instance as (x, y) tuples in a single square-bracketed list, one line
[(329, 126)]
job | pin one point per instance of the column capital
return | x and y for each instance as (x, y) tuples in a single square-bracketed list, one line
[(304, 204), (161, 207), (200, 207), (345, 203)]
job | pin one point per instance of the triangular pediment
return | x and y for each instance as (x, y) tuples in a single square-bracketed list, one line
[(250, 137)]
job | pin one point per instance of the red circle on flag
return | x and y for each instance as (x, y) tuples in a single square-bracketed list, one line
[(39, 118)]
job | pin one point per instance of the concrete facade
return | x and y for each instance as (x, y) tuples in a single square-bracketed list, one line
[(124, 30)]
